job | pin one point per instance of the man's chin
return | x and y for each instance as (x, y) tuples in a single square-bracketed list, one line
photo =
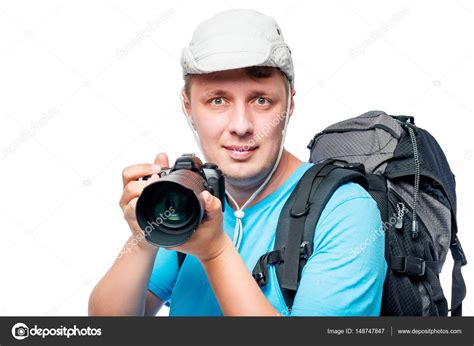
[(244, 173), (236, 171)]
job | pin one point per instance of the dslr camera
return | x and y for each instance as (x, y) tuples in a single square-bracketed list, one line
[(168, 210)]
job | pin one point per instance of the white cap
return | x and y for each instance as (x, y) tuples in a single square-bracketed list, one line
[(234, 39)]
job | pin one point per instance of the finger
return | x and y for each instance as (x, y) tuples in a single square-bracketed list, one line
[(162, 160), (131, 190), (129, 211), (137, 171), (212, 204)]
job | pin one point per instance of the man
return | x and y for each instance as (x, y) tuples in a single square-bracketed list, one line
[(238, 98)]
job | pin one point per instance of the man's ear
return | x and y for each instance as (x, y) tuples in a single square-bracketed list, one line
[(292, 101), (187, 106)]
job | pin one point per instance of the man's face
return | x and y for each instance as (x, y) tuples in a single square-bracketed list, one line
[(239, 120)]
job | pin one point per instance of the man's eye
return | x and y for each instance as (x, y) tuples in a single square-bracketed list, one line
[(217, 101), (262, 101)]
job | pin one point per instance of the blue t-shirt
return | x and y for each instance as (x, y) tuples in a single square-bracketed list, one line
[(343, 277)]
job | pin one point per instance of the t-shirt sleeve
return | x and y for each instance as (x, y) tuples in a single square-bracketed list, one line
[(345, 274), (164, 274)]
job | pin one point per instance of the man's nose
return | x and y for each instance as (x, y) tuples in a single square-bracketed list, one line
[(240, 122)]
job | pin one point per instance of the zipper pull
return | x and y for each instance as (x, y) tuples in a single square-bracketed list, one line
[(414, 229), (400, 213)]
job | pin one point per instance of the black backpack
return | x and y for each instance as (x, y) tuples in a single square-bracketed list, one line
[(406, 172)]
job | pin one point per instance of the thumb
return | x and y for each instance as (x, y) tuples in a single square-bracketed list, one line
[(162, 160), (212, 204)]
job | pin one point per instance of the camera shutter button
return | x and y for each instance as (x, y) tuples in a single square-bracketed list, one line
[(210, 165)]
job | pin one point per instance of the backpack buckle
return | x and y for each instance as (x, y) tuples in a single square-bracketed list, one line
[(457, 251), (260, 278), (414, 266), (300, 213), (260, 272), (306, 250), (356, 166), (409, 265)]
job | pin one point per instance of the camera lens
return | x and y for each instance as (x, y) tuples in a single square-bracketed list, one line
[(168, 210), (175, 207)]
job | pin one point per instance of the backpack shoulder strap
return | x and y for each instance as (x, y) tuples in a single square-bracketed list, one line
[(181, 258), (458, 292), (298, 220)]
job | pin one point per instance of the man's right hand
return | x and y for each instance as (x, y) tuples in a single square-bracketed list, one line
[(133, 187)]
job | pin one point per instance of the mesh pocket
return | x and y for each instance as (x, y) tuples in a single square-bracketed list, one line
[(406, 294)]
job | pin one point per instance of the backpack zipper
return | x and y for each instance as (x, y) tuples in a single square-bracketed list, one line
[(408, 210), (414, 227), (401, 209)]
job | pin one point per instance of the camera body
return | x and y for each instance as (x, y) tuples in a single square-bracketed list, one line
[(213, 177), (169, 210)]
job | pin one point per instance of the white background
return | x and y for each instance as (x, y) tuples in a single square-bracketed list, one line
[(90, 87)]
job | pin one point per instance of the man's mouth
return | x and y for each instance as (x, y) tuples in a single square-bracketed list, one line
[(240, 152)]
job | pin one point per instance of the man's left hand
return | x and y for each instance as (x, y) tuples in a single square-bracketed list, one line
[(209, 239)]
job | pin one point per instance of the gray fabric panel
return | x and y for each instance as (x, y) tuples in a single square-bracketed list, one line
[(373, 148), (367, 120), (434, 215)]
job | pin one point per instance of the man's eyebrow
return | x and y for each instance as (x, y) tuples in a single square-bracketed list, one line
[(213, 92), (253, 93), (264, 93)]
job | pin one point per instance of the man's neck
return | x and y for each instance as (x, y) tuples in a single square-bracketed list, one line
[(287, 165)]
